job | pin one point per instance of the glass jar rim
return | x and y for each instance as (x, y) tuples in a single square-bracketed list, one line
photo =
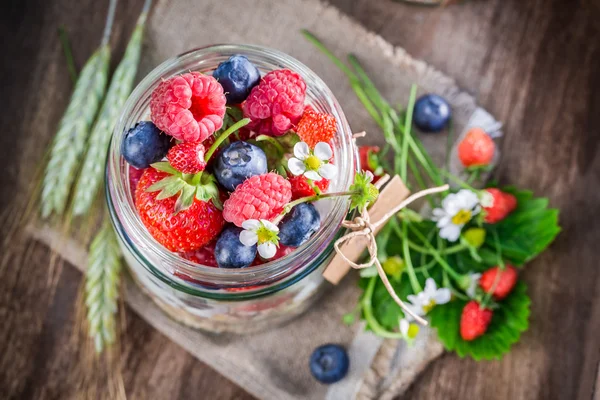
[(118, 190)]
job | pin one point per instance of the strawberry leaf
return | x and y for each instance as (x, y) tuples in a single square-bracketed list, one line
[(171, 189), (164, 166), (207, 190), (510, 320), (186, 199), (164, 183), (527, 231)]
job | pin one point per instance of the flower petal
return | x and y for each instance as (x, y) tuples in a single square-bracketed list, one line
[(369, 176), (296, 166), (450, 232), (269, 225), (251, 224), (430, 287), (442, 296), (313, 175), (248, 238), (267, 250), (301, 150), (404, 325), (328, 171), (323, 151)]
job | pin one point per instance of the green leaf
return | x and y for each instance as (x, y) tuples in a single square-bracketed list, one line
[(171, 189), (164, 166), (186, 199), (74, 128), (102, 286), (527, 231), (92, 171), (208, 190), (510, 320), (164, 183)]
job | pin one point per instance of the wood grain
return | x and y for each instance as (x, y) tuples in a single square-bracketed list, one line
[(534, 64)]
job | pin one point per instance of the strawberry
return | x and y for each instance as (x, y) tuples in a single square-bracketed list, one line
[(181, 224), (507, 278), (187, 157), (502, 204), (474, 320), (301, 188), (476, 149), (369, 162), (315, 127)]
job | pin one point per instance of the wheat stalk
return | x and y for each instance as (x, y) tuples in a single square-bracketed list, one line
[(92, 171), (102, 286)]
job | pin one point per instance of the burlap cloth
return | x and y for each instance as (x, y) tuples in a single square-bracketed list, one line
[(274, 365)]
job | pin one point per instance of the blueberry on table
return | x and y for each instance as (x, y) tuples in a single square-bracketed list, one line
[(431, 113), (230, 252), (329, 363), (144, 144), (238, 162), (237, 76), (299, 225)]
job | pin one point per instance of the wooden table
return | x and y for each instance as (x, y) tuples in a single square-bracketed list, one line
[(534, 64)]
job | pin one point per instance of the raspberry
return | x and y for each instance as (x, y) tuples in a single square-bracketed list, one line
[(315, 127), (258, 197), (276, 103), (187, 157), (189, 107), (301, 188)]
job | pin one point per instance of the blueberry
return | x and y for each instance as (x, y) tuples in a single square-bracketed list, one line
[(432, 113), (230, 252), (237, 76), (329, 363), (238, 162), (299, 225), (144, 144)]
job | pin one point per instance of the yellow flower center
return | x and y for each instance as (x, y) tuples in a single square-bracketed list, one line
[(313, 162), (413, 330), (429, 306), (264, 235), (461, 217)]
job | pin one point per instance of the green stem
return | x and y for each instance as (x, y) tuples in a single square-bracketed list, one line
[(407, 132), (450, 250), (458, 181), (273, 141), (414, 282), (241, 123), (474, 175), (367, 308), (314, 187), (64, 41)]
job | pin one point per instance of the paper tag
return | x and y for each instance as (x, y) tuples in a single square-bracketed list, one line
[(391, 196)]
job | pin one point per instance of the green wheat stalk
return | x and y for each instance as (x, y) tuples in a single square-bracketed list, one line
[(102, 286), (70, 140), (92, 171)]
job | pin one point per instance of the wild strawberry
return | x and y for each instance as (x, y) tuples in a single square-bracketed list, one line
[(369, 162), (258, 197), (189, 107), (474, 320), (183, 231), (476, 149), (315, 127), (301, 188), (501, 205), (187, 157), (276, 103), (507, 278)]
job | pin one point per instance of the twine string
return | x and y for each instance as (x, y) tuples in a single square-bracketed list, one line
[(361, 226)]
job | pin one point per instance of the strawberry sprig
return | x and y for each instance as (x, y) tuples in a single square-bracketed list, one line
[(201, 185)]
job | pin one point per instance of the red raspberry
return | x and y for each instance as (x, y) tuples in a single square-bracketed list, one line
[(189, 107), (187, 157), (301, 188), (506, 281), (315, 127), (276, 103), (476, 149), (258, 197), (474, 321), (187, 230), (503, 204)]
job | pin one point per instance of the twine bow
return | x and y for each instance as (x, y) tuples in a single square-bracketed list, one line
[(362, 226)]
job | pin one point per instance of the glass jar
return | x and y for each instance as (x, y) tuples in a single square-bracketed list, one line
[(228, 300)]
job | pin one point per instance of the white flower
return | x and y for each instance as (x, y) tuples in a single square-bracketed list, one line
[(314, 165), (408, 329), (264, 233), (473, 284), (424, 301), (457, 209), (486, 199)]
